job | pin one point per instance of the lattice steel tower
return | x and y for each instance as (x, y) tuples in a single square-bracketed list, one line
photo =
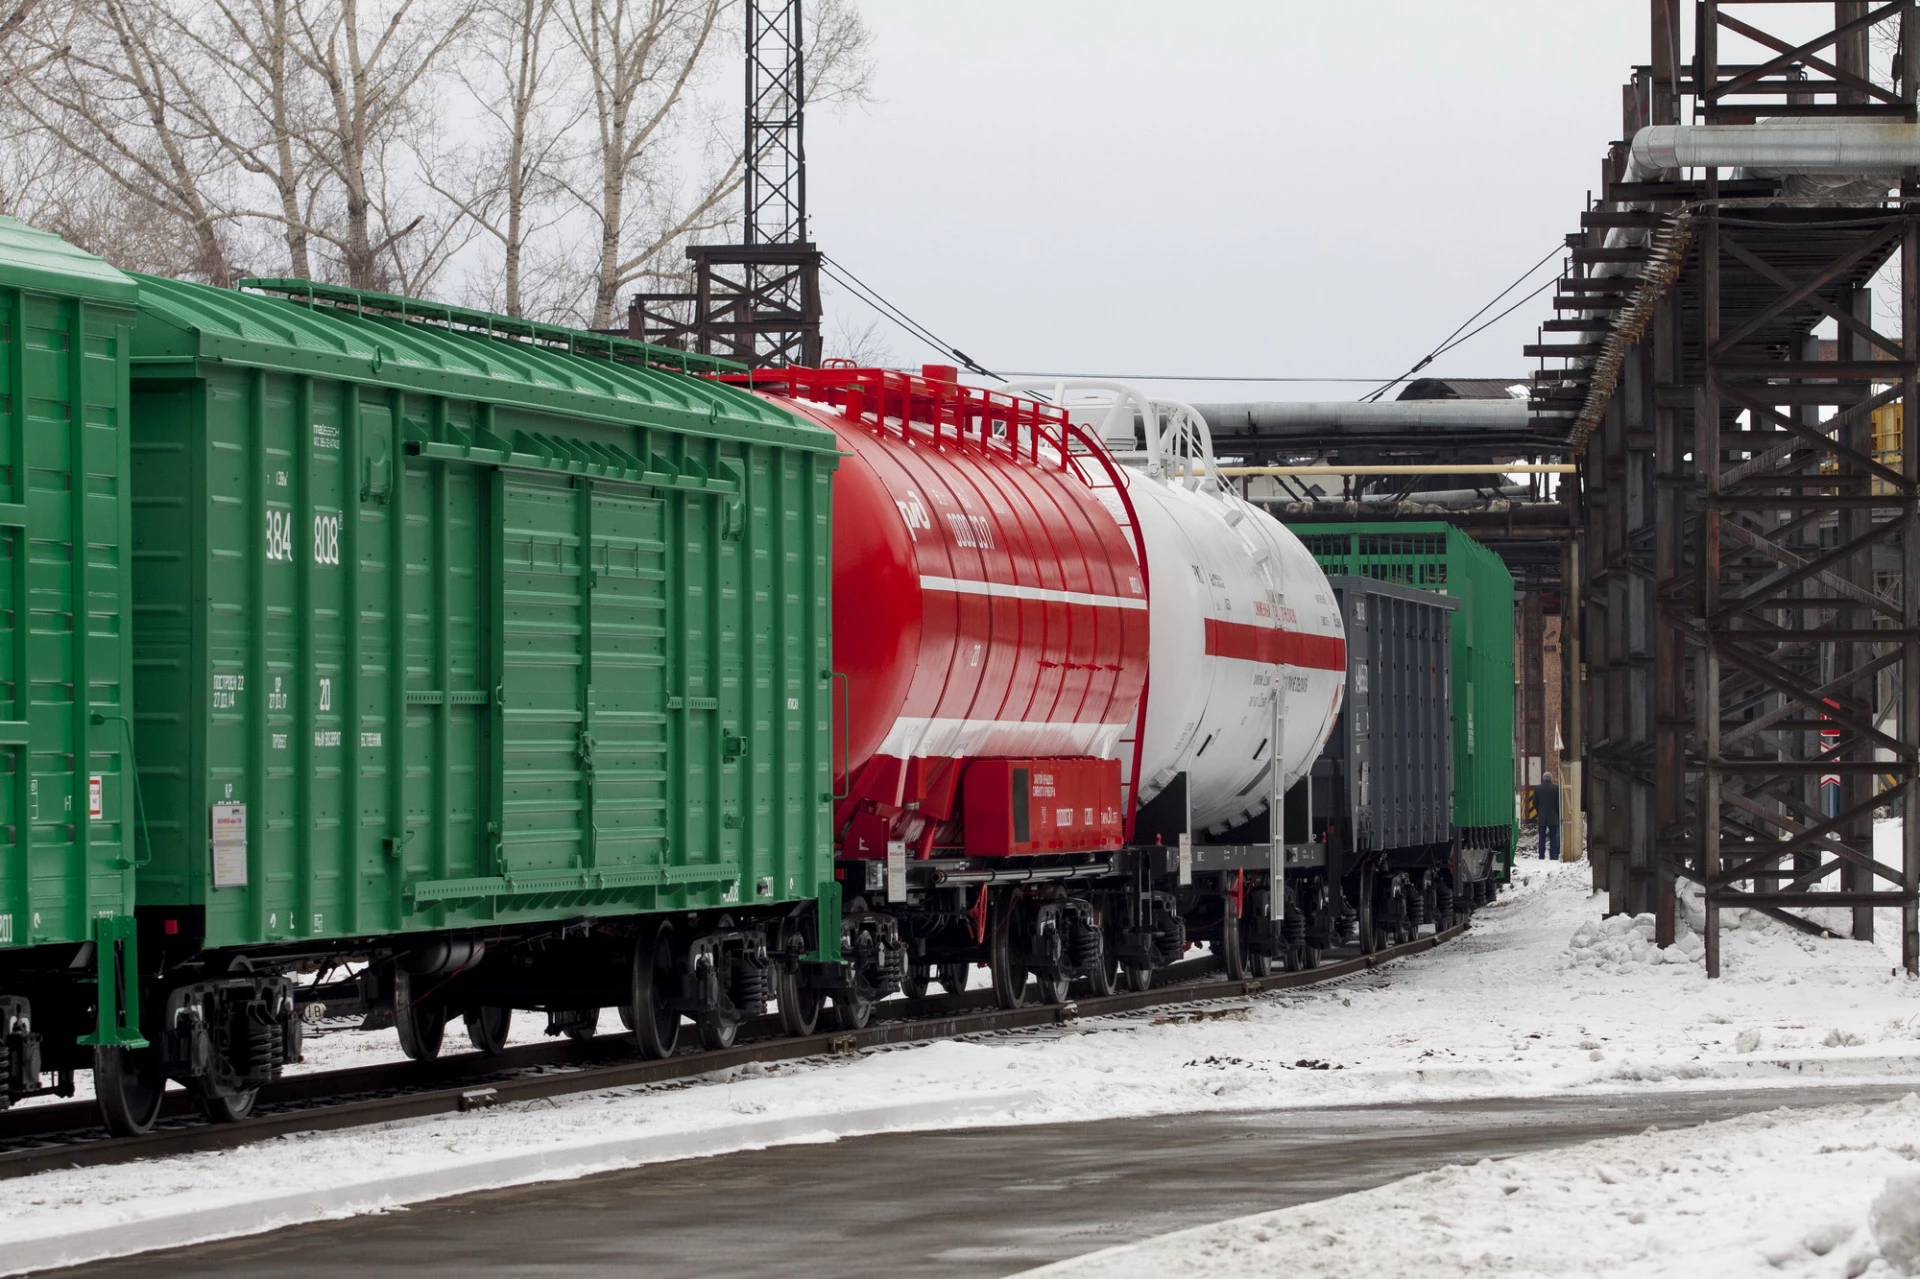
[(776, 178), (757, 301)]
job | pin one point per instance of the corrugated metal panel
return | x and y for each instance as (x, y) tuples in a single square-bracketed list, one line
[(463, 661), (67, 830), (1439, 557), (1391, 740), (44, 263), (182, 321)]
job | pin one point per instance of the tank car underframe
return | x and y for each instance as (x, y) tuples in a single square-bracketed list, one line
[(1329, 897), (1095, 921)]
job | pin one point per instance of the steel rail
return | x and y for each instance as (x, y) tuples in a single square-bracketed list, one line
[(330, 1100)]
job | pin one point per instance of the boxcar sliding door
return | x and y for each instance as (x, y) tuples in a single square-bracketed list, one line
[(613, 761)]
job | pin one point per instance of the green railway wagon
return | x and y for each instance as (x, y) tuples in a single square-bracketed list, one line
[(67, 811), (1440, 557), (493, 654)]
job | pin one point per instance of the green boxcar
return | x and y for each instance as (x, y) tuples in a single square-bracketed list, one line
[(1440, 557), (437, 627), (67, 813)]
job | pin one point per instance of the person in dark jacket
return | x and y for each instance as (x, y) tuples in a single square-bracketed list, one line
[(1546, 815)]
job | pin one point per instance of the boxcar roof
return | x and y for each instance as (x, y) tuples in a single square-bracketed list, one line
[(31, 259), (427, 352)]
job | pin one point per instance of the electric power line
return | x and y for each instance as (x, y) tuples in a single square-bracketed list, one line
[(1447, 343), (868, 294), (1496, 319), (1208, 377)]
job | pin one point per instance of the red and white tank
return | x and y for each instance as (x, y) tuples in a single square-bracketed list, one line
[(1239, 607), (986, 605)]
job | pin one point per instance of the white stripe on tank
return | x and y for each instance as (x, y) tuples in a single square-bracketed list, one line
[(1040, 594)]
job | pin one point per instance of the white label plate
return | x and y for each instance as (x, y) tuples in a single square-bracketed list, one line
[(229, 845)]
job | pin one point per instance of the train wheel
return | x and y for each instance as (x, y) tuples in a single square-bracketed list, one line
[(1103, 975), (1009, 978), (1233, 955), (1369, 937), (917, 980), (1054, 990), (953, 977), (1136, 977), (851, 1011), (130, 1086), (799, 1004), (229, 1109), (421, 1027), (656, 1024), (1309, 957), (584, 1025), (716, 1033), (487, 1028), (1259, 964)]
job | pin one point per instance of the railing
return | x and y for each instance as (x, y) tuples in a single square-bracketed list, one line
[(926, 410)]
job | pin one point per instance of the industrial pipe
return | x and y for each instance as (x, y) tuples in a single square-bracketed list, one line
[(1844, 147), (1446, 468), (1306, 417), (1430, 497)]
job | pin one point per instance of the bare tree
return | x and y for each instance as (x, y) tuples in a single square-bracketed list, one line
[(18, 23), (643, 61), (639, 59), (839, 54), (270, 107), (204, 137), (112, 90), (373, 62), (864, 345), (505, 184)]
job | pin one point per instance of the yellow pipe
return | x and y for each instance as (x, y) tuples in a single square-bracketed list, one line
[(1451, 468)]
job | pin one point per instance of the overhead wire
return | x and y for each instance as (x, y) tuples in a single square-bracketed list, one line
[(1496, 319), (1454, 338), (1208, 377), (866, 293), (871, 296)]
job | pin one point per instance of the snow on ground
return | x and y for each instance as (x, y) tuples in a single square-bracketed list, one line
[(1724, 1199), (1509, 1009)]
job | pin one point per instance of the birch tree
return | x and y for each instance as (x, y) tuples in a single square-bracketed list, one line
[(506, 181), (638, 59), (642, 61), (107, 86), (373, 63), (270, 109)]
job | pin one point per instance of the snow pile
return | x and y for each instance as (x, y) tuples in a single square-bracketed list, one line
[(1895, 1222), (1829, 1192), (1621, 940), (1498, 1012)]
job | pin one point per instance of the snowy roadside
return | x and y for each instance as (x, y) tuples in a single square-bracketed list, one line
[(1507, 1010), (1723, 1199)]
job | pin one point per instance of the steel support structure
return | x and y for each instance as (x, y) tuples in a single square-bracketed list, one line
[(757, 301), (1748, 568), (1530, 691)]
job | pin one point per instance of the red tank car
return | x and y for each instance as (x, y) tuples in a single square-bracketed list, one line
[(986, 606)]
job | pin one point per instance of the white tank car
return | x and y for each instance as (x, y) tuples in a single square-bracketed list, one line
[(1237, 605)]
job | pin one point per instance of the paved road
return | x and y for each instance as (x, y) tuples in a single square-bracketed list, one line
[(979, 1202)]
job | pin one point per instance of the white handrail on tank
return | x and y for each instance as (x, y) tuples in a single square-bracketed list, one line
[(1179, 444), (1186, 444)]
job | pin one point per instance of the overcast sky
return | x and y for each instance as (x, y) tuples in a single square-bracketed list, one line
[(1225, 187)]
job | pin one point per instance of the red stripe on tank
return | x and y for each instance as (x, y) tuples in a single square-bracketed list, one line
[(1275, 647)]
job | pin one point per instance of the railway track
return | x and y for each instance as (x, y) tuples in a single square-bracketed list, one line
[(68, 1134)]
